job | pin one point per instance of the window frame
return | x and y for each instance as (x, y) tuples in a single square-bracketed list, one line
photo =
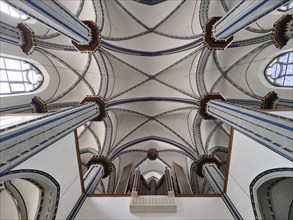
[(285, 74), (24, 75)]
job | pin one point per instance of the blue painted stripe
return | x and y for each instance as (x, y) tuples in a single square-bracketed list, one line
[(80, 201), (43, 124), (229, 12), (249, 133), (243, 16), (151, 54), (137, 141), (255, 134), (64, 9), (62, 134), (7, 26), (256, 117), (150, 2), (70, 49), (52, 17), (50, 26), (57, 20), (14, 107), (251, 122), (8, 40), (44, 131), (288, 150), (217, 185), (38, 118), (285, 100), (231, 207), (76, 207), (266, 145), (93, 179), (152, 99)]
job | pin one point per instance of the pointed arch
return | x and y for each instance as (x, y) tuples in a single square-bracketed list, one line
[(263, 201), (187, 150), (48, 186)]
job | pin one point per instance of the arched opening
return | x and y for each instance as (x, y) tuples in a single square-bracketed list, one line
[(34, 193), (272, 194)]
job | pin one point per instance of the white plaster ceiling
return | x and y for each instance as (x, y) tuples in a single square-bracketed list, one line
[(174, 73)]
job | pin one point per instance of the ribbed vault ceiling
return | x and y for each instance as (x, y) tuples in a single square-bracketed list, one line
[(150, 54), (151, 69), (157, 68)]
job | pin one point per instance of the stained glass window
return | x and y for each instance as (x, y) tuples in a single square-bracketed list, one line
[(279, 72), (18, 76)]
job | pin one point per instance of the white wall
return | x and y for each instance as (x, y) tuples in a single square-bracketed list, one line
[(248, 160), (7, 207), (30, 195), (60, 161), (187, 208)]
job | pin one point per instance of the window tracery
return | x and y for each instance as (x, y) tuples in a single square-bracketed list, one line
[(18, 76), (279, 72)]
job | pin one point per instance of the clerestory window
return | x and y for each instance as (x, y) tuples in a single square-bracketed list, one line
[(279, 71), (18, 76)]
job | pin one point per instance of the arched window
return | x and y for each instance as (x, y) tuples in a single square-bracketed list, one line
[(286, 7), (279, 72), (18, 76), (12, 11)]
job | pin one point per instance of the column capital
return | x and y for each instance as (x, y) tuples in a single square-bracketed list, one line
[(208, 38), (205, 159), (103, 161), (27, 37), (100, 102), (281, 29), (268, 101), (95, 41), (40, 105), (202, 104)]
